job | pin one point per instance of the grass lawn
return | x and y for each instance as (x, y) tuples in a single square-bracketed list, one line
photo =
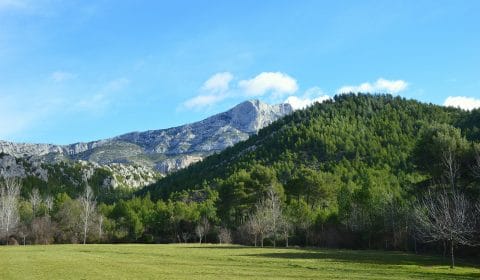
[(217, 262)]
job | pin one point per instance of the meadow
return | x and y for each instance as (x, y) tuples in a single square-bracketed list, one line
[(193, 261)]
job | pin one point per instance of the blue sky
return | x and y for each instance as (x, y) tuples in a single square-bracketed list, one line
[(84, 70)]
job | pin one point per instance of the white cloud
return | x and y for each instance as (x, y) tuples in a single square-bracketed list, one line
[(218, 88), (381, 85), (61, 76), (463, 102), (218, 83), (310, 96), (214, 90), (276, 82)]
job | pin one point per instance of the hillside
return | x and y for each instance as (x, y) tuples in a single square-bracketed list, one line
[(355, 161), (366, 130)]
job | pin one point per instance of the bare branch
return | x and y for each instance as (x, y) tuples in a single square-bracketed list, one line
[(87, 203), (451, 167), (447, 218), (9, 216)]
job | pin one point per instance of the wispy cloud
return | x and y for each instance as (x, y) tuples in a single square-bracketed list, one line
[(214, 90), (104, 96), (463, 102), (277, 83), (21, 110), (61, 76), (202, 101), (312, 95), (13, 4), (11, 120), (381, 85), (19, 113)]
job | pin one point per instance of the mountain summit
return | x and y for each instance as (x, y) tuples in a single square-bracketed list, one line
[(164, 150)]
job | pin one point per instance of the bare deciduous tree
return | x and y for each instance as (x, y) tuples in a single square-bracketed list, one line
[(23, 233), (35, 201), (43, 230), (451, 167), (186, 236), (87, 203), (48, 204), (274, 213), (224, 236), (253, 226), (202, 229), (100, 227), (286, 229), (266, 219), (9, 216), (446, 218)]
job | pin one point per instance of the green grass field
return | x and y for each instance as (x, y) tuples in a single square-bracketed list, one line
[(217, 262)]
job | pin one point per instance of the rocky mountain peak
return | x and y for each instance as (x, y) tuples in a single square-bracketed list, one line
[(253, 115)]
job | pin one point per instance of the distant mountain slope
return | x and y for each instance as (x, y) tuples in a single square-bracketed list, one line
[(164, 150)]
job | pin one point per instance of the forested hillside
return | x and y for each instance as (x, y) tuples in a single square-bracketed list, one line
[(352, 166), (356, 171)]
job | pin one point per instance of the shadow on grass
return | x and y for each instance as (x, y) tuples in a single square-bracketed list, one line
[(377, 258), (359, 256), (363, 257), (370, 257), (229, 247)]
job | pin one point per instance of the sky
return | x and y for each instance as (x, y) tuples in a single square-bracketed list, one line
[(73, 71)]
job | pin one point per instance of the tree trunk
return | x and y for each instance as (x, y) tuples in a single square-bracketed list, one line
[(415, 245), (286, 241), (85, 234), (444, 249), (452, 265), (261, 240), (255, 240), (306, 238)]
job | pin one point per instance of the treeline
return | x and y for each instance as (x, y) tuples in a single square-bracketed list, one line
[(349, 172), (46, 219)]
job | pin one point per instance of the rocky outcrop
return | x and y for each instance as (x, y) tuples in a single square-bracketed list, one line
[(171, 164), (10, 167)]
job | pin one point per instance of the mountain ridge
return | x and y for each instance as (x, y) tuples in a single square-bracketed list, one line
[(163, 150)]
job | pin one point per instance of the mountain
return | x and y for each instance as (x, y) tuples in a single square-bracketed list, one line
[(155, 151)]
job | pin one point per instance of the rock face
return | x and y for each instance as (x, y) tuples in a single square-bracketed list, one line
[(171, 164), (164, 150)]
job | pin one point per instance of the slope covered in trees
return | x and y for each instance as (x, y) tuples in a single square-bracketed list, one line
[(352, 167)]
